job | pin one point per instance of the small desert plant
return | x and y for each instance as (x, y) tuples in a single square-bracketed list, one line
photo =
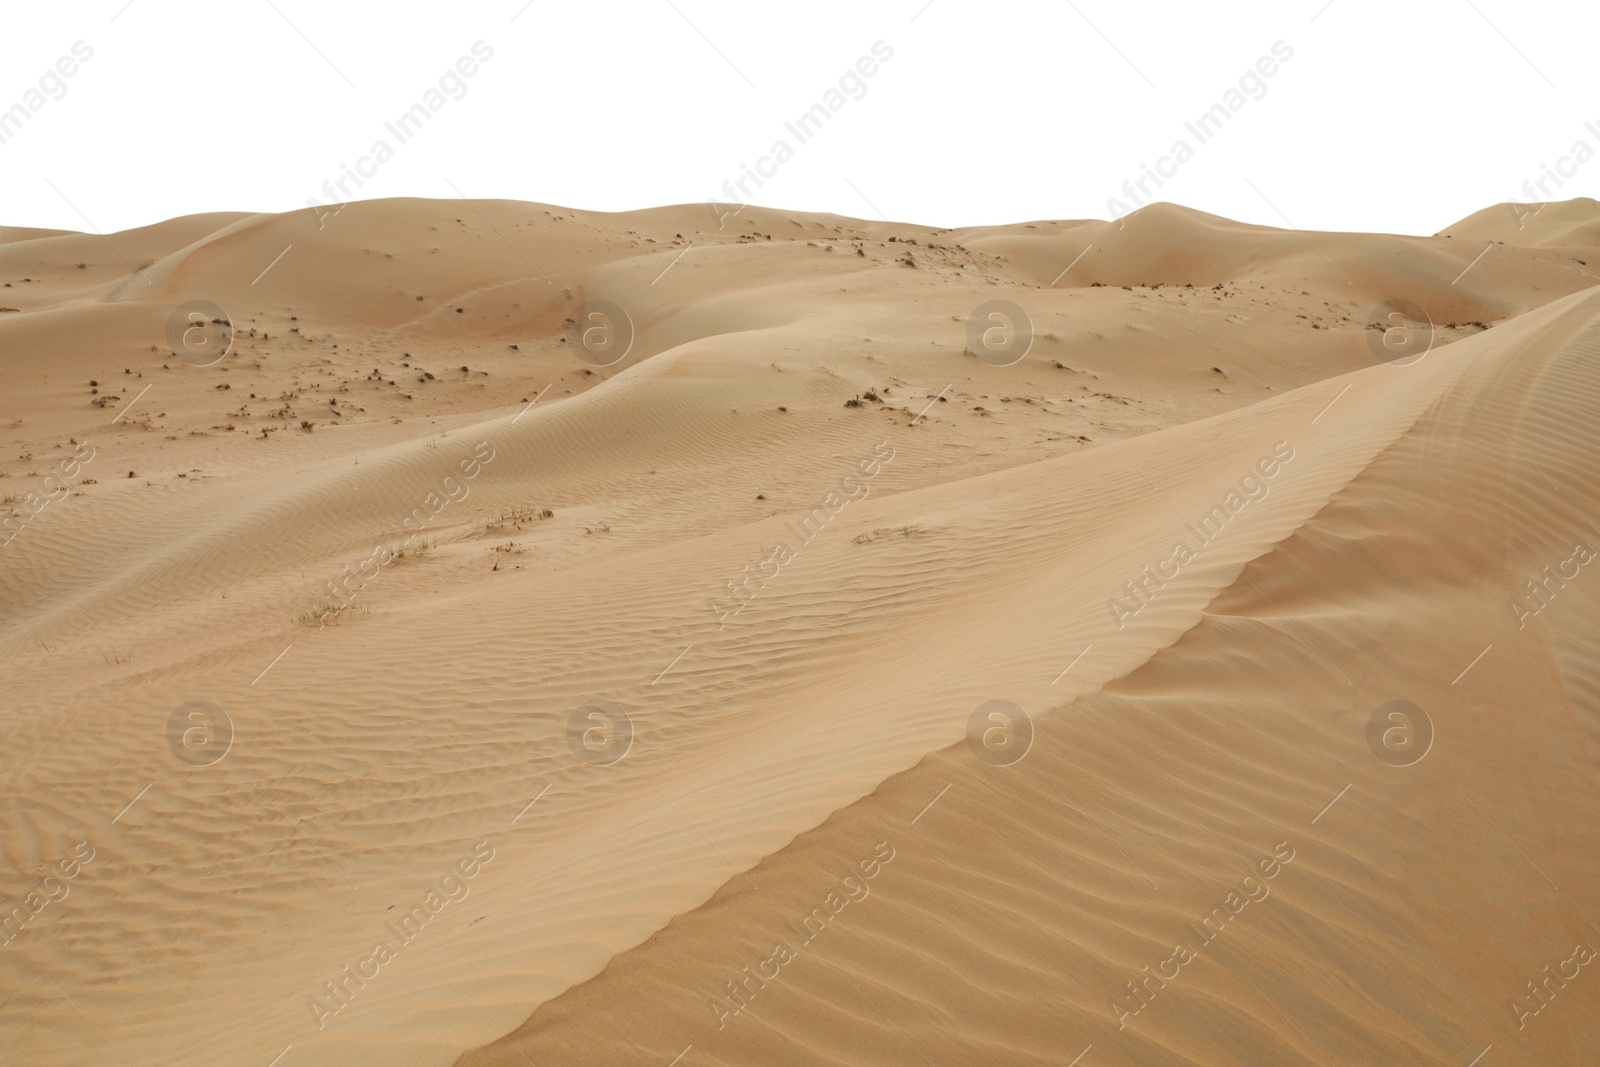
[(326, 611), (518, 516), (908, 532)]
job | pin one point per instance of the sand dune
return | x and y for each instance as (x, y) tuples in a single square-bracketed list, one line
[(1574, 223), (418, 544)]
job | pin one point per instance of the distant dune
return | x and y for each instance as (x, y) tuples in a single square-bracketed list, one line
[(494, 633)]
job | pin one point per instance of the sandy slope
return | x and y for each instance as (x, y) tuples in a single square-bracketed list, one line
[(779, 746)]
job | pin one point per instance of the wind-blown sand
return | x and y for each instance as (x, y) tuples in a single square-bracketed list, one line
[(1207, 726)]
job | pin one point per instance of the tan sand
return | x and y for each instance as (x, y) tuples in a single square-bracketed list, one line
[(410, 756)]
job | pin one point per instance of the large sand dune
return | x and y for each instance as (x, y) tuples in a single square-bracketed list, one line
[(401, 534)]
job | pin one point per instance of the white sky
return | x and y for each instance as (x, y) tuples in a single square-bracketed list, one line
[(1398, 116)]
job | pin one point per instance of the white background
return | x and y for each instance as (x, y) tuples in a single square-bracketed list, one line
[(1398, 116)]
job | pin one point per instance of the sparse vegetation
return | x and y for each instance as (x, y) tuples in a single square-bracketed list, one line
[(326, 611), (518, 517), (907, 532)]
